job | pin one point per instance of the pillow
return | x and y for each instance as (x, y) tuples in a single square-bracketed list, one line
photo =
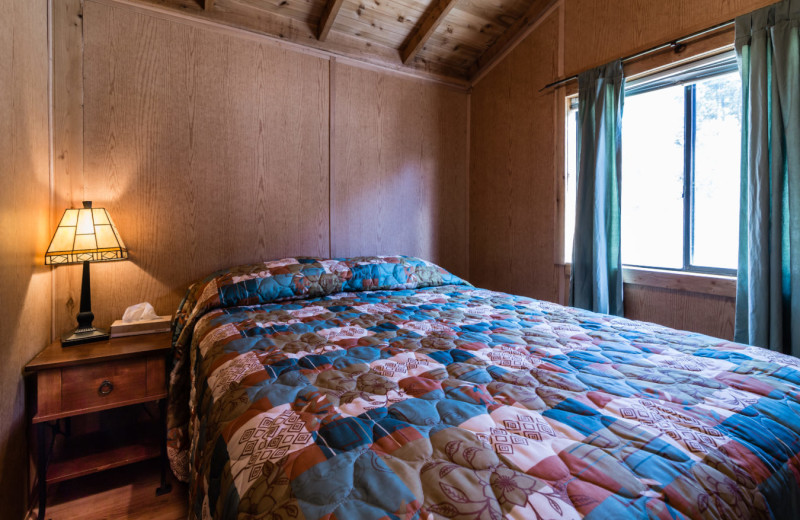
[(302, 278)]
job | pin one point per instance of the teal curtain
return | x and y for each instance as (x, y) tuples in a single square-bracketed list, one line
[(596, 279), (768, 286)]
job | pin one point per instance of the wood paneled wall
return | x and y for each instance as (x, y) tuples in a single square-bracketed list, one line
[(517, 138), (599, 32), (212, 148), (704, 313), (25, 305), (512, 164), (399, 182)]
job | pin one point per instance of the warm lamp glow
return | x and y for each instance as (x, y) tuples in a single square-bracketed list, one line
[(85, 235)]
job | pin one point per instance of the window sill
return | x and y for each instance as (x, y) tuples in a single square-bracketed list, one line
[(677, 281)]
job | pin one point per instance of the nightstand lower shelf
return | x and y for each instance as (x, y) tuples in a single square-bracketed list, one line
[(104, 450)]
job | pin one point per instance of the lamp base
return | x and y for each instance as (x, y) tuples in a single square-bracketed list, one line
[(83, 335)]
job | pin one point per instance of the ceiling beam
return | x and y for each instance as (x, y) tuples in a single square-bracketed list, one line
[(511, 37), (420, 35), (328, 17)]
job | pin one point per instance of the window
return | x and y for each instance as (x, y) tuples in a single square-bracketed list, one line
[(681, 139), (571, 175)]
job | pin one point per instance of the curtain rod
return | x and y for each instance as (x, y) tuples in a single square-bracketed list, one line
[(676, 45)]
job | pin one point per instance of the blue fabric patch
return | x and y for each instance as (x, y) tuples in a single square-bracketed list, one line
[(456, 412), (346, 433), (614, 508), (441, 356), (317, 493), (313, 361), (419, 412), (606, 384), (752, 434), (380, 491), (365, 354), (576, 415), (657, 461), (788, 374)]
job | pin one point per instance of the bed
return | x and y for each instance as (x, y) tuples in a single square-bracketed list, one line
[(388, 388)]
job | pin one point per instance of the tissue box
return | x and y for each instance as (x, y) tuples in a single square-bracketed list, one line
[(120, 328)]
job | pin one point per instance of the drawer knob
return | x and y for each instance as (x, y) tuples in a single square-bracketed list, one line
[(105, 387)]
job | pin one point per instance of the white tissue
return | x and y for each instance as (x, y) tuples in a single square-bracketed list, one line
[(139, 312)]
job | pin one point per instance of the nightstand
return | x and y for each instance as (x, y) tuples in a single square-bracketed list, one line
[(93, 377)]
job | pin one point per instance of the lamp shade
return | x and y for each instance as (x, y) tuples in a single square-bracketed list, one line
[(85, 235)]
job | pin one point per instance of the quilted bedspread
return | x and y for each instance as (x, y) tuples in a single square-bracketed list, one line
[(387, 388)]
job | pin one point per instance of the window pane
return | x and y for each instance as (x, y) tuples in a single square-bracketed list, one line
[(571, 173), (716, 173), (652, 178)]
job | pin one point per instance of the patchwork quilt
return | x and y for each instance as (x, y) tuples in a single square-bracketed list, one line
[(388, 388)]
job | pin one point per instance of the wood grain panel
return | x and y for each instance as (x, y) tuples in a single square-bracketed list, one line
[(704, 313), (67, 130), (399, 185), (512, 185), (48, 392), (599, 32), (683, 282), (208, 151), (25, 304), (703, 46), (502, 13), (308, 11), (388, 23), (68, 104), (156, 375)]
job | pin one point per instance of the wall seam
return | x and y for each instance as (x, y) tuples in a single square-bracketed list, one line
[(468, 273), (331, 154)]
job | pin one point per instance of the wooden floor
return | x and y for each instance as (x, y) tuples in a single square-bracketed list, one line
[(128, 492)]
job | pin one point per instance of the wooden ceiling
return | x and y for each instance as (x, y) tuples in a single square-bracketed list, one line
[(453, 40)]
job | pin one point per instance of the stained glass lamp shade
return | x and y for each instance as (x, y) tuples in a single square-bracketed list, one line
[(83, 236)]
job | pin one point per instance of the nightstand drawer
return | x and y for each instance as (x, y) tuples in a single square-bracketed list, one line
[(86, 388), (103, 384)]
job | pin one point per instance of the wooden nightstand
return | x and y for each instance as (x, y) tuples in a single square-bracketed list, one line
[(88, 378)]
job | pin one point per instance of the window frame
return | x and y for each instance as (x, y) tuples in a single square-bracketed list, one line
[(687, 75), (570, 110)]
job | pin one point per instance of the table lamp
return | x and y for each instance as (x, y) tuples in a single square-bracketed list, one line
[(83, 236)]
